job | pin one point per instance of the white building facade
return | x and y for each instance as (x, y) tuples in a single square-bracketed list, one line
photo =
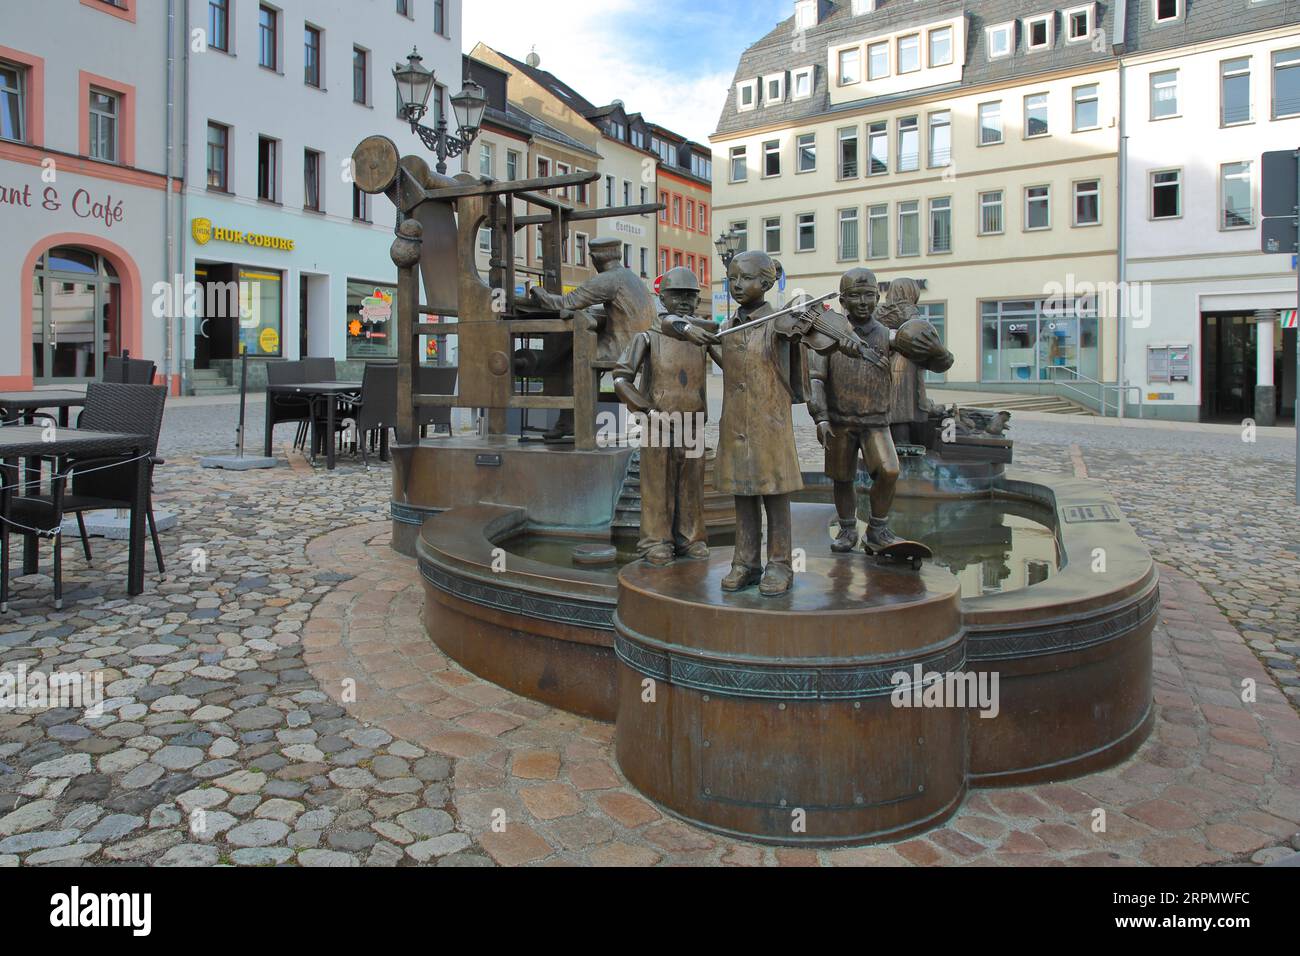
[(1210, 342)]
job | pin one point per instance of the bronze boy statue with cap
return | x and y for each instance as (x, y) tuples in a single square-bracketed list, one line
[(672, 364)]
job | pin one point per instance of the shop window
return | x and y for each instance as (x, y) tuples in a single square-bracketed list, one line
[(260, 319), (371, 311)]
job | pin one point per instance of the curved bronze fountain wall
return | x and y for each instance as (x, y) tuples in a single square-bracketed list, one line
[(1073, 653)]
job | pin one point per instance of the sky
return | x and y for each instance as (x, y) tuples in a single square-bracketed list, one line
[(671, 60)]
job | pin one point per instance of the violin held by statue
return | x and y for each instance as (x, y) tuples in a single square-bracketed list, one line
[(821, 330)]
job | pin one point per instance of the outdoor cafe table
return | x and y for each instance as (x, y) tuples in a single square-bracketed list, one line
[(32, 441), (313, 392), (27, 403)]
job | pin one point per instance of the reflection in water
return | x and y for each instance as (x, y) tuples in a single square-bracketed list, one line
[(989, 544)]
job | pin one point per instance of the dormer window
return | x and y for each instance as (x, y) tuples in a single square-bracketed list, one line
[(877, 61), (801, 83), (774, 88), (1078, 24), (1167, 11), (909, 53), (850, 66), (863, 6), (746, 95), (1000, 40), (805, 14), (1038, 32), (941, 47)]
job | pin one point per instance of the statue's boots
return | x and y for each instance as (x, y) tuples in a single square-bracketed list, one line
[(563, 427), (879, 536), (660, 555), (847, 539), (777, 579), (698, 549), (741, 577)]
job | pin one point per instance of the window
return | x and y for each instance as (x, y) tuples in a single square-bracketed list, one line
[(677, 210), (802, 82), (512, 164), (739, 169), (940, 47), (1166, 10), (218, 153), (805, 14), (878, 231), (219, 25), (741, 229), (580, 191), (909, 144), (746, 95), (580, 249), (1164, 94), (772, 158), (877, 149), (267, 39), (805, 233), (645, 262), (704, 218), (663, 201), (1078, 24), (485, 241), (772, 234), (909, 228), (1038, 207), (850, 66), (941, 224), (609, 191), (690, 214), (1234, 91), (311, 179), (1087, 202), (1286, 83), (999, 40), (848, 238), (1237, 209), (1085, 107), (1166, 193), (369, 317), (806, 153), (990, 123), (774, 89), (440, 17), (627, 193), (909, 53), (1034, 339), (404, 7), (877, 61), (360, 76), (848, 156), (991, 214), (104, 110), (1035, 115), (13, 102), (663, 261), (360, 204), (1038, 32), (485, 164), (311, 56), (266, 168), (940, 139)]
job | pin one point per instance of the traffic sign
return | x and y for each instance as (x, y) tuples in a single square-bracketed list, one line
[(1278, 235), (1278, 192)]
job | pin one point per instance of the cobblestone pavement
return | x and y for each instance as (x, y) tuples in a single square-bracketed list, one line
[(230, 734)]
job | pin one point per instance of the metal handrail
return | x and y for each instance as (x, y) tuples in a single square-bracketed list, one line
[(1102, 389)]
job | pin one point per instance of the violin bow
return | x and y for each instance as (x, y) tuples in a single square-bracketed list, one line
[(788, 310)]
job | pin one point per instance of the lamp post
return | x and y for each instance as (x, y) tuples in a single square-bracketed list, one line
[(727, 244), (414, 84)]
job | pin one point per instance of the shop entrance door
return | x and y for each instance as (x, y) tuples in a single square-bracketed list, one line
[(1227, 367), (76, 316)]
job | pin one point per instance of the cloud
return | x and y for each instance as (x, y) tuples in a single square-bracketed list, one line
[(672, 60)]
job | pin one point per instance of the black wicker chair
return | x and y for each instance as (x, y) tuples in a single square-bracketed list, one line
[(288, 408), (96, 484), (128, 371), (435, 380), (376, 411)]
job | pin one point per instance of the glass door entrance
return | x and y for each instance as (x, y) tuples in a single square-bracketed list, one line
[(76, 316)]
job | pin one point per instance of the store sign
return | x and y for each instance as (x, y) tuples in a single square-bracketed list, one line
[(83, 203), (203, 232), (269, 341), (629, 229)]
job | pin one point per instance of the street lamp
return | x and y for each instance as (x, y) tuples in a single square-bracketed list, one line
[(727, 244), (414, 84)]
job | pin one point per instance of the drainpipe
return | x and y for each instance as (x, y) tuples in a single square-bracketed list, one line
[(169, 224), (1122, 245), (185, 179)]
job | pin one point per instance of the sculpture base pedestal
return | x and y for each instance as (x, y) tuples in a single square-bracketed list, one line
[(776, 719)]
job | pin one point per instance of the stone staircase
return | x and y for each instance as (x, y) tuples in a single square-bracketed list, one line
[(1052, 404), (719, 509), (209, 381)]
